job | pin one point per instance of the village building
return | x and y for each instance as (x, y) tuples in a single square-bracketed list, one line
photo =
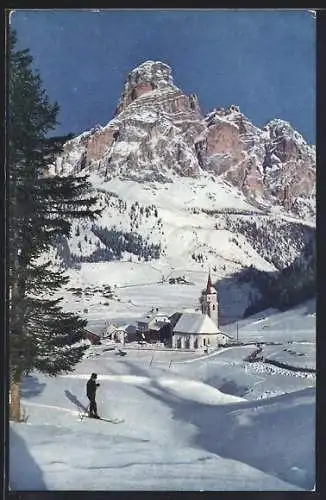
[(154, 327), (186, 329), (117, 333), (93, 337), (197, 331), (209, 304), (97, 331)]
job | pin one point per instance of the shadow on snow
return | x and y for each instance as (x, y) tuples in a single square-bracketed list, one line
[(24, 472), (75, 401), (30, 386), (265, 440)]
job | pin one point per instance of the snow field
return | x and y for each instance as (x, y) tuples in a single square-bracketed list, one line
[(178, 431)]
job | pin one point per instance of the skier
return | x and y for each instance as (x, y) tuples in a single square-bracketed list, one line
[(91, 394)]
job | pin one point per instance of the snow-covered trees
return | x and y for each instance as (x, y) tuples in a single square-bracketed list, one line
[(116, 242), (287, 288)]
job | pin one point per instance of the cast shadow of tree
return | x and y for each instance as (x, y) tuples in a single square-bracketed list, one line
[(24, 472), (30, 386)]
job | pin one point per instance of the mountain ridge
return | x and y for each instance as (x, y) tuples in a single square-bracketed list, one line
[(158, 133)]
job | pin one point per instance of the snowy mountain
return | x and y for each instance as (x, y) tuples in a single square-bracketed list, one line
[(183, 192)]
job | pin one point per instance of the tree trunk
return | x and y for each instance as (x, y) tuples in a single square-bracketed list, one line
[(14, 404), (16, 337)]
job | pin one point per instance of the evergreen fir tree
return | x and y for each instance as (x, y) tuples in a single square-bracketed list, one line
[(41, 207)]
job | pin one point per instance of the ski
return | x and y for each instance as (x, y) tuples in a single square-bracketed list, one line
[(110, 420)]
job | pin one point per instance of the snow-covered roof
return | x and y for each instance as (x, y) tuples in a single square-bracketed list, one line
[(157, 325), (155, 320), (196, 323), (90, 332), (146, 319)]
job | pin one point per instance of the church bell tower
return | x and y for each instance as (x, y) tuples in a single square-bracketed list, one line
[(209, 304)]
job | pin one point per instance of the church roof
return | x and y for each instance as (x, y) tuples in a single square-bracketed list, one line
[(174, 318), (196, 323)]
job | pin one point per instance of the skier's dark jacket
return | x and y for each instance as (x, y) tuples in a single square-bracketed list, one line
[(91, 388)]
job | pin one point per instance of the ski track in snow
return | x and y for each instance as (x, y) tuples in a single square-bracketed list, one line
[(41, 405)]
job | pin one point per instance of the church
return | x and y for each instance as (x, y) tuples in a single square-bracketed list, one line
[(199, 330)]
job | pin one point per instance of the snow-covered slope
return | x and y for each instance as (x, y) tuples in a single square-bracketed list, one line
[(150, 232), (298, 323), (199, 423)]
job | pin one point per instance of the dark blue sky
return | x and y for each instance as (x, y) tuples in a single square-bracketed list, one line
[(263, 61)]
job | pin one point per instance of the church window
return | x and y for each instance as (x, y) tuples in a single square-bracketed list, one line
[(204, 341), (213, 307)]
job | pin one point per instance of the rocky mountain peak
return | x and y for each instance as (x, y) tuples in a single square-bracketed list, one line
[(157, 73), (148, 76)]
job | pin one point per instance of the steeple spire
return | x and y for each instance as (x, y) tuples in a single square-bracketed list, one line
[(209, 283)]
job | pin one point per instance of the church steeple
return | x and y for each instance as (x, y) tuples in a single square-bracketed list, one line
[(209, 301), (209, 283)]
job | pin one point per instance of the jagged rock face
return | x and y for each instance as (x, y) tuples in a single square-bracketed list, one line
[(147, 77), (153, 135), (159, 133), (99, 143), (289, 167), (274, 163), (234, 150), (156, 137)]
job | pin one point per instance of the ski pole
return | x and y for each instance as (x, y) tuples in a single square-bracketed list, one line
[(84, 414)]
